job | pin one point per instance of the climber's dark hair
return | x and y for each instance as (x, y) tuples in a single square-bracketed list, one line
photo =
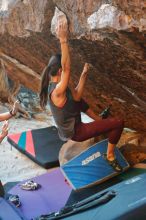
[(50, 70)]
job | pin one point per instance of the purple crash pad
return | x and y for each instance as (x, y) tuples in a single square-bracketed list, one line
[(52, 196)]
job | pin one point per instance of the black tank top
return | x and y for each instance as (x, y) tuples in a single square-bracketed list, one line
[(67, 116)]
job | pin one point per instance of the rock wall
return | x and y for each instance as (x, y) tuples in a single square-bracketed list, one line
[(110, 35)]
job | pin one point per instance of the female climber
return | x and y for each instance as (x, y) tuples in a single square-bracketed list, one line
[(67, 104)]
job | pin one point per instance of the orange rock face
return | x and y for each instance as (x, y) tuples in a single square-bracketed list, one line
[(111, 37)]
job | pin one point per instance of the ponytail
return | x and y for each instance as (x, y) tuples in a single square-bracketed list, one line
[(51, 70), (44, 87)]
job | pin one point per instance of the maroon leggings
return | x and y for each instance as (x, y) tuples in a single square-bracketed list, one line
[(112, 126)]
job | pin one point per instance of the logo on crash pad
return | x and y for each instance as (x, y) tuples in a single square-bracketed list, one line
[(91, 158)]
